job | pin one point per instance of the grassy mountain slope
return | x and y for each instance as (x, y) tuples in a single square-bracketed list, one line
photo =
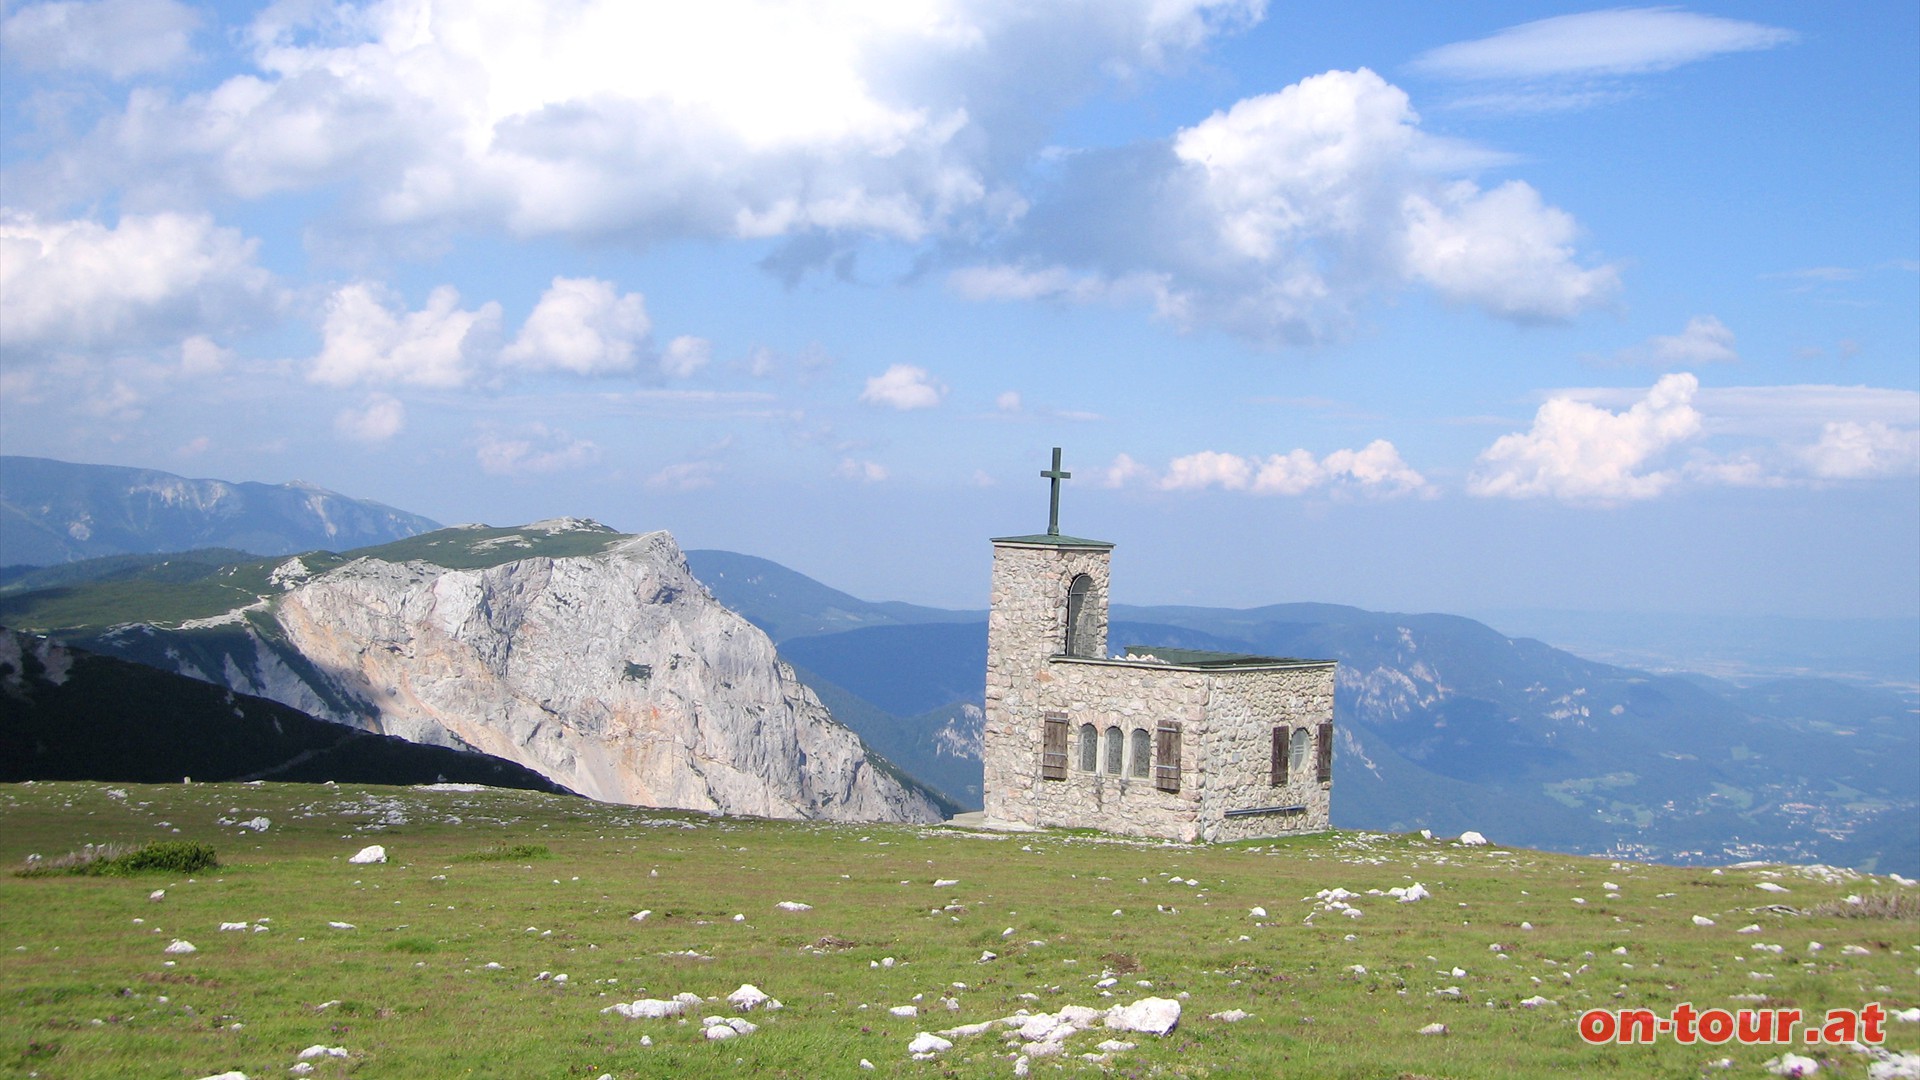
[(426, 966)]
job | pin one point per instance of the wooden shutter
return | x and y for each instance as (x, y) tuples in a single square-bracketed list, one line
[(1053, 747), (1323, 747), (1166, 756), (1278, 774)]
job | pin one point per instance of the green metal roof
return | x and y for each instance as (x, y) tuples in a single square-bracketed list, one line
[(1053, 540), (1202, 658)]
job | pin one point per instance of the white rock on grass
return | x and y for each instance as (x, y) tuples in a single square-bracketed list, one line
[(1434, 1029), (157, 895), (233, 926), (319, 1051), (1410, 894), (748, 998), (180, 947), (1907, 1016), (641, 916), (341, 925), (791, 905), (1258, 913), (722, 1027), (904, 1011), (926, 1044), (1231, 1016), (234, 1075), (1152, 1016), (1473, 839), (259, 824), (1895, 1066), (646, 1009), (1792, 1065), (1536, 1001), (1768, 886), (1114, 1046), (1702, 920), (372, 854), (946, 882)]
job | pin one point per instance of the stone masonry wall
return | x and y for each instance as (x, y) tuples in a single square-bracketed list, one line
[(1243, 709), (1131, 696), (1026, 627)]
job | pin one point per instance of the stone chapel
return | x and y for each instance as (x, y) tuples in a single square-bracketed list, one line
[(1176, 744)]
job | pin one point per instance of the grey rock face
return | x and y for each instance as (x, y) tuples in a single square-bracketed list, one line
[(616, 674)]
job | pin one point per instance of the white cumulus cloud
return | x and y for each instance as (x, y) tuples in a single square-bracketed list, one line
[(1849, 450), (1376, 469), (364, 340), (376, 420), (119, 38), (1276, 218), (904, 387), (685, 355), (582, 326), (735, 118), (78, 284), (1581, 452), (1705, 340), (868, 472), (531, 450)]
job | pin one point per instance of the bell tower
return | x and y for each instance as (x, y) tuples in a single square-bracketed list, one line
[(1049, 599)]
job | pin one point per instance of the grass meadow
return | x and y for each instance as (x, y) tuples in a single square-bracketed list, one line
[(430, 964)]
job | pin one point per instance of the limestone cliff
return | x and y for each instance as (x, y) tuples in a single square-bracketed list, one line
[(609, 669)]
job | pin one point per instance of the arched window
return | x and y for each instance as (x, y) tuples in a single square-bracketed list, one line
[(1089, 748), (1142, 753), (1297, 760), (1079, 640), (1116, 750)]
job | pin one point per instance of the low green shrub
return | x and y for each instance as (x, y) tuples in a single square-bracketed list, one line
[(121, 860), (506, 853)]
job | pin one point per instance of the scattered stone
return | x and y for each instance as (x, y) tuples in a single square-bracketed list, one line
[(1114, 1046), (1750, 928), (1792, 1065), (1258, 913), (789, 905), (1768, 886), (1434, 1029), (648, 1009), (1536, 1001), (1152, 1016), (1702, 920), (341, 925), (319, 1051), (988, 956), (748, 998), (157, 895), (641, 916), (1231, 1016), (904, 1011), (180, 947), (1473, 839), (371, 854), (946, 882), (233, 926), (259, 824), (926, 1044)]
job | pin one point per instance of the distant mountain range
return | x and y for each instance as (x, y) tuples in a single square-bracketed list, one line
[(1444, 723), (58, 511)]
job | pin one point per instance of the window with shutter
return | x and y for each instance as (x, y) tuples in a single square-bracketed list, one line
[(1166, 757), (1053, 748), (1324, 744), (1142, 753), (1277, 769), (1297, 752), (1089, 748)]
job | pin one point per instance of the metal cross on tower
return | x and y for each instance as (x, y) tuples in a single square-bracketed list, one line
[(1053, 508)]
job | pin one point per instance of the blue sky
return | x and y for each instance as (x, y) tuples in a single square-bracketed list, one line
[(1412, 306)]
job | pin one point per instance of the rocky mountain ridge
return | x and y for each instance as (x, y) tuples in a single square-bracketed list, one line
[(590, 656)]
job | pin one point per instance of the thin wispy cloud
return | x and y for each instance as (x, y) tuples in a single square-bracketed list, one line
[(1618, 41), (1586, 60)]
